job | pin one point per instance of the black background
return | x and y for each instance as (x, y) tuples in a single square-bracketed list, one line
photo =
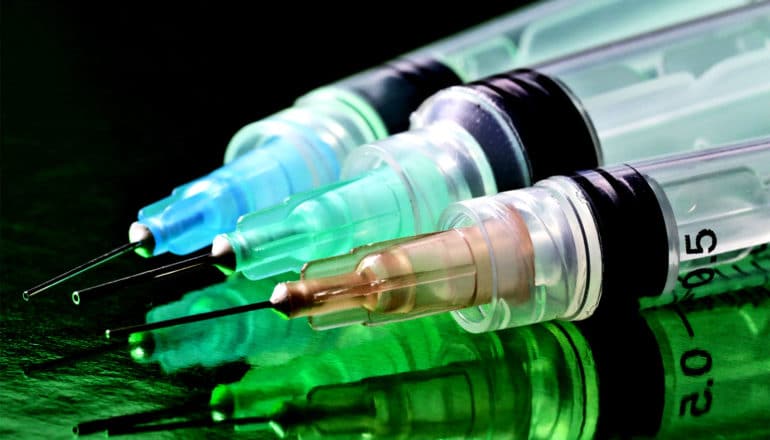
[(106, 107)]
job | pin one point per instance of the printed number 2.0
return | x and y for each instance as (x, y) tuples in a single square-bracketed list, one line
[(696, 363)]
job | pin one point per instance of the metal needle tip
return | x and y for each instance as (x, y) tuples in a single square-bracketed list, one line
[(120, 250)]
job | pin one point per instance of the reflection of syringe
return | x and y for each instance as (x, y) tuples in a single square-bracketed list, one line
[(302, 147), (510, 130), (691, 370), (228, 339), (550, 251), (271, 342)]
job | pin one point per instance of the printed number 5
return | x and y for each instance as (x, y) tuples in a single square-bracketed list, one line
[(702, 235)]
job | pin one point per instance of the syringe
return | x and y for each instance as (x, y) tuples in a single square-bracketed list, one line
[(699, 369), (265, 340), (659, 229), (510, 130), (302, 147), (550, 251)]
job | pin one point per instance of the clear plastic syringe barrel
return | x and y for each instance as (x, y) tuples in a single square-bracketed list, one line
[(302, 147), (716, 205), (553, 29), (694, 88), (544, 252)]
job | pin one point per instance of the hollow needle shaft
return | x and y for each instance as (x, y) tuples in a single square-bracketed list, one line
[(222, 257), (152, 274), (120, 250), (292, 299), (125, 331)]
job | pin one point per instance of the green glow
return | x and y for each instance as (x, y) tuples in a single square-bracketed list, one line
[(261, 335), (697, 280), (224, 269), (717, 365), (355, 353), (533, 382), (143, 252), (218, 416), (278, 430), (334, 95), (135, 338), (137, 354)]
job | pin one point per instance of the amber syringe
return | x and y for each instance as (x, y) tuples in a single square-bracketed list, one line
[(661, 230)]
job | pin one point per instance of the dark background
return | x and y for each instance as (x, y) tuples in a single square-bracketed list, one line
[(105, 108)]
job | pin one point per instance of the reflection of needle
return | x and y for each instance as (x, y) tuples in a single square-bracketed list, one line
[(31, 368)]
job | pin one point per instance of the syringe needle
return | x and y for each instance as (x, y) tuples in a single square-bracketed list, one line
[(221, 255), (120, 250), (125, 331), (292, 299), (159, 272)]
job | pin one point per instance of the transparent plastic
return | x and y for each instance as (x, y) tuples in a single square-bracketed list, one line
[(302, 147), (717, 209), (534, 254), (698, 87), (520, 257), (562, 247), (719, 204), (469, 386), (553, 29), (299, 149), (418, 174)]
